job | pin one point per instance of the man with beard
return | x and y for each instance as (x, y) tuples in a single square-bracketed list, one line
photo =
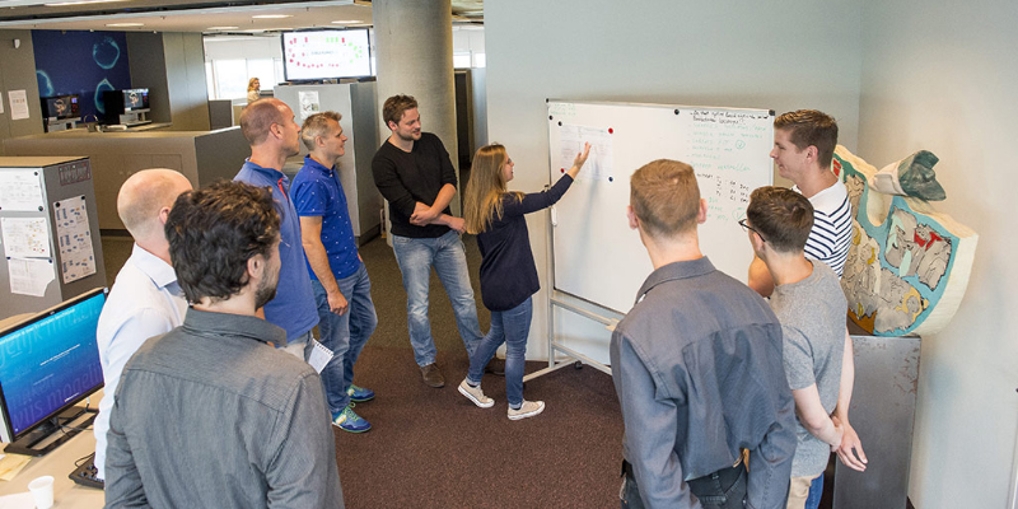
[(210, 414), (413, 172), (269, 126)]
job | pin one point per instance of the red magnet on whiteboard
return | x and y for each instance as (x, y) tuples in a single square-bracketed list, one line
[(611, 131), (563, 170)]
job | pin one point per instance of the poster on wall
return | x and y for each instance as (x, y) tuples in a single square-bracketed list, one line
[(20, 191), (19, 104), (309, 104), (77, 258)]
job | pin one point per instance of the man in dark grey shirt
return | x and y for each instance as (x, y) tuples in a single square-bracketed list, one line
[(211, 414), (697, 367)]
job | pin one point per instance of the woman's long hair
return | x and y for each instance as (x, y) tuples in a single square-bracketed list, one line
[(485, 189)]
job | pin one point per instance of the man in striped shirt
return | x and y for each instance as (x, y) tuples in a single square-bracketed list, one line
[(804, 142)]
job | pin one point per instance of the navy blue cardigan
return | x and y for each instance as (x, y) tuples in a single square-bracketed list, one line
[(508, 273)]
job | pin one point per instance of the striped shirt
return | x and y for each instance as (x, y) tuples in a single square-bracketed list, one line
[(831, 235)]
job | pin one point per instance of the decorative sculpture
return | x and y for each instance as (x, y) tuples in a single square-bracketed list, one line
[(909, 265)]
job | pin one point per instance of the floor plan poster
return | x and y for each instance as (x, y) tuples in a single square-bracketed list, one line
[(25, 237), (599, 162), (75, 239), (20, 190)]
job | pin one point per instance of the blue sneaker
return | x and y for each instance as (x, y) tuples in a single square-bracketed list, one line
[(349, 421), (360, 394)]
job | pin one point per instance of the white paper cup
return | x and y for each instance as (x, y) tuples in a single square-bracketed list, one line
[(42, 491)]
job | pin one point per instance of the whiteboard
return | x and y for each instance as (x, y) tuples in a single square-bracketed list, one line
[(596, 256)]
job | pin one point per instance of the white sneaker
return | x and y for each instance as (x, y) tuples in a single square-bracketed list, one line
[(475, 394), (527, 409)]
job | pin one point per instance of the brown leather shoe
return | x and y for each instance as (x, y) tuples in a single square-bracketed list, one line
[(432, 375)]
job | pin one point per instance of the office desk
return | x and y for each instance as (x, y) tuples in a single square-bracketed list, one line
[(60, 463)]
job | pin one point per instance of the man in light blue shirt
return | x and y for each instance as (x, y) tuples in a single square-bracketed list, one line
[(269, 126), (145, 300)]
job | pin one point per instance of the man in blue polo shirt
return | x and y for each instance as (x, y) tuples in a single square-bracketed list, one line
[(340, 282), (269, 126)]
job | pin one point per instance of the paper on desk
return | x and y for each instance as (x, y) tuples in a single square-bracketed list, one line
[(11, 465), (320, 355), (18, 501)]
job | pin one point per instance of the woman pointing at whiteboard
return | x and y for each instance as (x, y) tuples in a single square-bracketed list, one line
[(508, 273)]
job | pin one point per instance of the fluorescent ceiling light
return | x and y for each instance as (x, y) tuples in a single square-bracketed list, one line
[(347, 21), (124, 25), (80, 2), (272, 16), (222, 28)]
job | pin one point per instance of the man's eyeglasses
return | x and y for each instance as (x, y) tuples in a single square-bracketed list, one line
[(746, 227)]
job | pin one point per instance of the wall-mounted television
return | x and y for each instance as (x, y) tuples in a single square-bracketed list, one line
[(315, 55), (48, 363), (61, 107)]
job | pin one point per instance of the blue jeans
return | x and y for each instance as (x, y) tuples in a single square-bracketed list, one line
[(344, 334), (415, 258), (512, 328), (816, 491)]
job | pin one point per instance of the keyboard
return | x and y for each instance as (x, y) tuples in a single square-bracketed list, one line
[(85, 475)]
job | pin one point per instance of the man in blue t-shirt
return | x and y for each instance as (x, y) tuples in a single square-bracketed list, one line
[(269, 126), (338, 277)]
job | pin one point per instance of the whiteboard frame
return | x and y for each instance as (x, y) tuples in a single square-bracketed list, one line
[(560, 355)]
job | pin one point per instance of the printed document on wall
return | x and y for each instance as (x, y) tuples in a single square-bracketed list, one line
[(30, 276), (20, 191), (25, 237), (75, 239), (599, 162)]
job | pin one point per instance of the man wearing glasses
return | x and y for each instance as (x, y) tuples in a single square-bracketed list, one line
[(269, 126), (808, 301), (685, 424)]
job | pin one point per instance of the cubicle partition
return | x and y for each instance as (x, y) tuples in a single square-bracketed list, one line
[(202, 156)]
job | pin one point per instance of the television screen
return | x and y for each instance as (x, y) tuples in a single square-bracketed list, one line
[(61, 107), (48, 363), (326, 54), (135, 99)]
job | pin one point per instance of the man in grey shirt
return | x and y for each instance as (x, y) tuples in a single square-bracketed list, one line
[(808, 301), (697, 367), (211, 414)]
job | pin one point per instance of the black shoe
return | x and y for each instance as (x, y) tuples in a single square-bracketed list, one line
[(432, 375), (495, 366)]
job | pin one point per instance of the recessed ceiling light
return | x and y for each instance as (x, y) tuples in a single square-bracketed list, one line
[(124, 25), (346, 21), (260, 30), (272, 16), (80, 2), (222, 28)]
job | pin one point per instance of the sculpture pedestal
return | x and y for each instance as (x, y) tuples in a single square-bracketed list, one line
[(883, 414)]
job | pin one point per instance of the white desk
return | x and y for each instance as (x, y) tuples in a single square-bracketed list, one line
[(59, 464)]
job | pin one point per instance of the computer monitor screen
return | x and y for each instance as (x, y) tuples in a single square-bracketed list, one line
[(314, 55), (48, 363), (135, 99), (61, 107)]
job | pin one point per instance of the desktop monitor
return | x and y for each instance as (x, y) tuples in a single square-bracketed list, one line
[(61, 107), (48, 363), (316, 55), (135, 99)]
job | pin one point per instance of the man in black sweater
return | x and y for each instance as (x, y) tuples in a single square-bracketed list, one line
[(413, 172)]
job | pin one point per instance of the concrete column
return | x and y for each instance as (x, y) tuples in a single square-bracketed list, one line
[(413, 44)]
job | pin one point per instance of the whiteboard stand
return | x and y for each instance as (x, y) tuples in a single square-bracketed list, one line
[(559, 355)]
